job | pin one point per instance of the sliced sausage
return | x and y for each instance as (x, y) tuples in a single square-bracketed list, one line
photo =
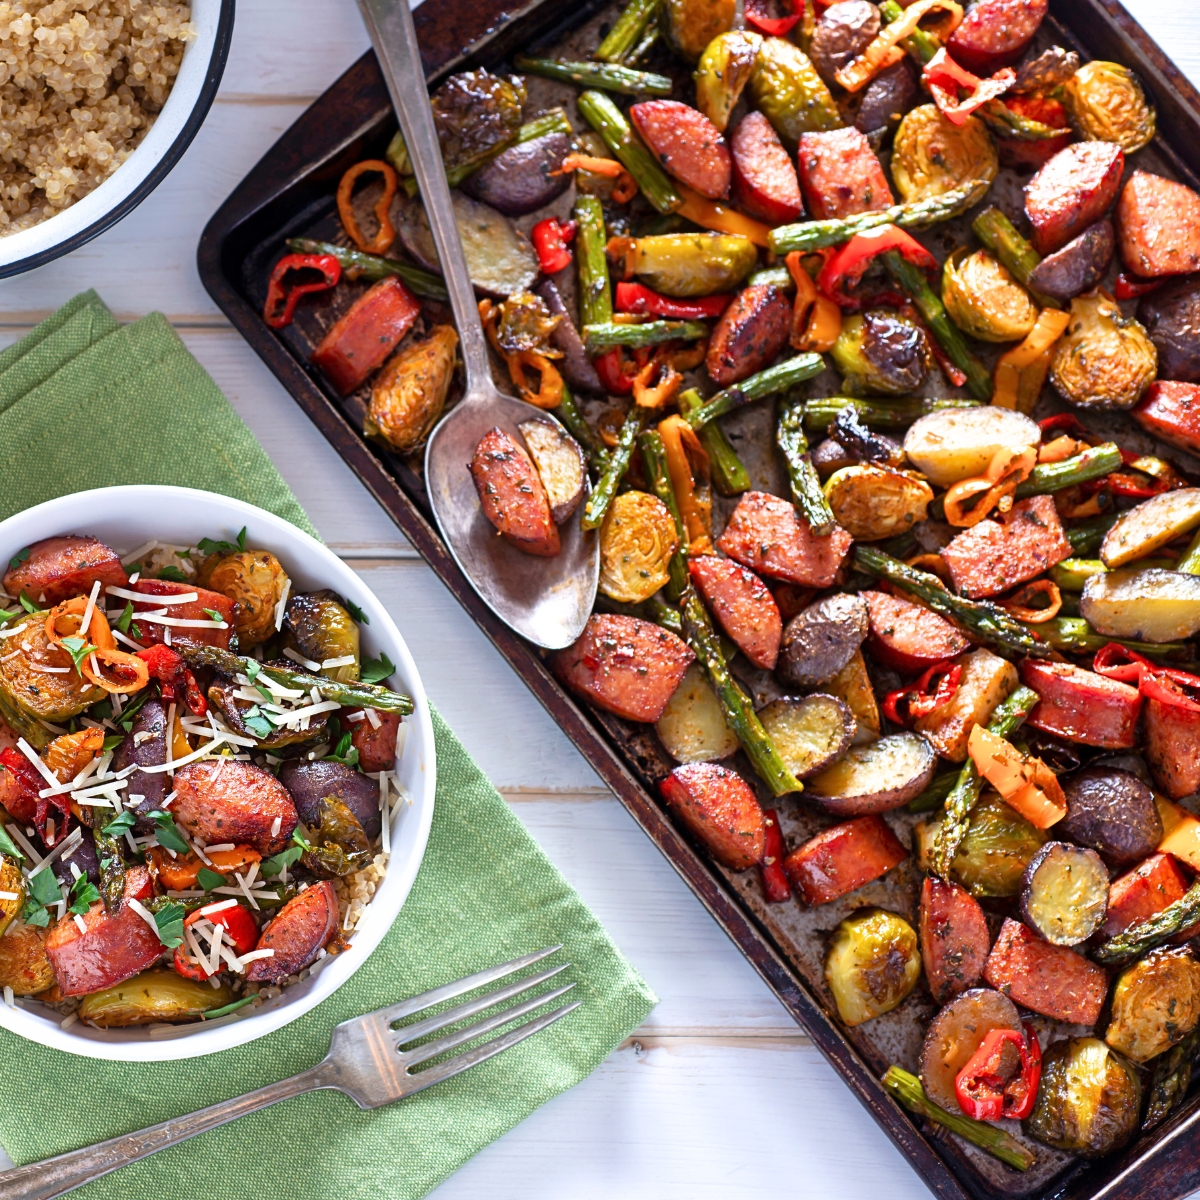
[(720, 809), (907, 637), (752, 332), (840, 175), (228, 801), (201, 610), (1172, 748), (372, 327), (1172, 319), (954, 938), (764, 180), (57, 568), (524, 177), (145, 745), (1170, 411), (625, 666), (376, 746), (1073, 190), (842, 858), (687, 143), (770, 537), (308, 783), (512, 495), (575, 365), (1159, 221), (741, 602), (1082, 706), (842, 32), (995, 33), (297, 934), (822, 639), (1078, 266), (888, 97)]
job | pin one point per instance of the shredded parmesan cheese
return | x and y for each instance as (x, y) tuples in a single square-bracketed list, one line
[(297, 657), (151, 598), (143, 912)]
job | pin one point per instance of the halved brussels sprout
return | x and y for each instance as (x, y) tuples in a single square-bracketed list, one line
[(787, 90), (1105, 360), (323, 629), (724, 70), (256, 581), (931, 156), (476, 111), (13, 882), (1105, 102), (872, 965), (871, 502), (690, 25), (24, 964), (689, 264), (984, 300), (1088, 1101), (339, 845), (152, 996), (1155, 1004), (881, 353), (637, 540)]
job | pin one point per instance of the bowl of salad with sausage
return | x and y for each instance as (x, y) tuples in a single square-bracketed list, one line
[(216, 772)]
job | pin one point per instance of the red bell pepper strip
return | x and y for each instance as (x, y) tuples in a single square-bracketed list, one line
[(23, 802), (944, 77), (758, 15), (1064, 423), (616, 372), (776, 888), (1168, 685), (241, 932), (638, 298), (982, 1090), (280, 307), (174, 677), (845, 269), (936, 687), (1129, 288), (550, 238)]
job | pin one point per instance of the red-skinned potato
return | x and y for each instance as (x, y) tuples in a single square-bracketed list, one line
[(742, 604), (560, 465), (842, 858), (512, 495), (624, 665), (840, 175), (995, 33), (1082, 706), (819, 641), (193, 610), (297, 934), (908, 638), (764, 181), (1159, 223), (1170, 411), (228, 801), (720, 809), (1074, 189), (768, 535), (876, 777), (58, 568), (751, 333), (686, 143), (376, 747), (954, 938)]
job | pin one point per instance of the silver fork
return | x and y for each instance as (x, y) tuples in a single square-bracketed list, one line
[(366, 1060)]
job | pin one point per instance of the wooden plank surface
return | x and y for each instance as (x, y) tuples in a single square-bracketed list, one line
[(719, 1095)]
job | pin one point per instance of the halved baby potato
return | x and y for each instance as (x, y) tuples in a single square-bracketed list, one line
[(877, 777), (1152, 524), (560, 465), (1142, 605), (960, 443), (693, 726), (1065, 895), (810, 733)]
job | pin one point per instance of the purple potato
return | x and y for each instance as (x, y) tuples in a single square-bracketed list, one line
[(1078, 266), (310, 782), (524, 177), (85, 858)]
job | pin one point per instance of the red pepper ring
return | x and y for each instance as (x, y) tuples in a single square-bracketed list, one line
[(758, 15), (616, 371), (638, 298), (1065, 423), (1167, 685), (1118, 662), (918, 700), (550, 238), (944, 77), (1167, 688), (280, 295), (981, 1090), (846, 268)]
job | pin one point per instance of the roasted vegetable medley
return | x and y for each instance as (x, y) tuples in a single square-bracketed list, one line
[(976, 599), (197, 779)]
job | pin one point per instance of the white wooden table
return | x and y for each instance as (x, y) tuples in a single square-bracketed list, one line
[(719, 1094)]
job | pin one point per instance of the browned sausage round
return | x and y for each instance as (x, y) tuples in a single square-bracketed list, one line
[(512, 495), (840, 175), (1160, 225), (1074, 189), (297, 934), (687, 143), (995, 33), (741, 602), (752, 332), (720, 808), (58, 568), (764, 180), (228, 801), (1078, 266), (843, 31)]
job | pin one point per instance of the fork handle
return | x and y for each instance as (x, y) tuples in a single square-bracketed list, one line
[(54, 1176)]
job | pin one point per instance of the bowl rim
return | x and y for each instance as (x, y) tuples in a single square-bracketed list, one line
[(218, 56), (52, 517)]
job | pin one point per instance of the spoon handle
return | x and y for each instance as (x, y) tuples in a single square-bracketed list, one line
[(394, 37)]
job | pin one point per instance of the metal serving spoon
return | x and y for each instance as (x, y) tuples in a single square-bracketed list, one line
[(546, 600)]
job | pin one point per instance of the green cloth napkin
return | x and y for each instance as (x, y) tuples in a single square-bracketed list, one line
[(145, 411)]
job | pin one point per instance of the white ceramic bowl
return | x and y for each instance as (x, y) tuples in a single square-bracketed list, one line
[(126, 518), (181, 117)]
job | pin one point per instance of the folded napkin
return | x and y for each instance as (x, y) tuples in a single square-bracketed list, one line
[(85, 403)]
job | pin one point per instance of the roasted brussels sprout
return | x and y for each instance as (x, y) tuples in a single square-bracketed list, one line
[(690, 25), (1088, 1101), (984, 300), (724, 70), (998, 846), (787, 90), (872, 965), (476, 111), (871, 502), (256, 582), (152, 996), (339, 844), (881, 353), (637, 540), (247, 720), (13, 883), (24, 965), (688, 264), (1105, 359), (930, 156), (323, 630), (1105, 102), (1155, 1004), (410, 393)]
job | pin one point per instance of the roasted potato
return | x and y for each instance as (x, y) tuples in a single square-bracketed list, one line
[(984, 299), (986, 680), (724, 70), (843, 31), (872, 965), (852, 685), (1111, 811), (297, 934), (408, 396), (691, 25), (885, 100), (1105, 103), (12, 882), (255, 581), (1079, 266), (24, 966), (843, 858), (1151, 525), (324, 631), (689, 264), (636, 543), (960, 443), (560, 464), (881, 353), (1148, 605), (871, 502), (1171, 317), (956, 1033), (1155, 1004), (228, 801), (720, 809), (153, 996), (809, 733), (931, 156), (692, 727), (308, 783), (1105, 360), (1089, 1100), (524, 177), (785, 87), (877, 777), (58, 568), (1065, 894), (145, 745), (821, 640)]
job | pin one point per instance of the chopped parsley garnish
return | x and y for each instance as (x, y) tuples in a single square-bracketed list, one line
[(131, 710), (357, 613), (18, 558), (375, 670), (119, 826), (209, 546), (169, 921), (8, 846), (345, 752), (210, 879), (7, 614), (274, 865), (216, 616), (27, 604), (135, 629), (84, 894), (225, 1010), (172, 574), (78, 648), (125, 617), (43, 891), (257, 723), (168, 832), (253, 671), (111, 742)]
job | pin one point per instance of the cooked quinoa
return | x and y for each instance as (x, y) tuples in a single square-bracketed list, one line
[(81, 82)]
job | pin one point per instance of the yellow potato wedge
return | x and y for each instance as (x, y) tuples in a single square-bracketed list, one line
[(986, 680), (1152, 524), (693, 727), (960, 443), (560, 465), (852, 684), (1142, 605)]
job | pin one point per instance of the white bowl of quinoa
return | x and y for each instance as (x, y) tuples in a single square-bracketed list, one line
[(154, 523), (98, 101)]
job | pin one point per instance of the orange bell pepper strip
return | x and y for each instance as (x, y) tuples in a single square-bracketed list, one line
[(715, 215), (687, 464), (1021, 372), (970, 500), (385, 235), (1021, 606), (130, 673), (816, 320), (1025, 782), (181, 873)]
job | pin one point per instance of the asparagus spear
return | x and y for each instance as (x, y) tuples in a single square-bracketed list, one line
[(1000, 236), (921, 44), (611, 76), (737, 706), (1153, 931), (1093, 463), (774, 379), (652, 34), (574, 421), (364, 695), (729, 476), (879, 414), (654, 455), (1007, 719), (609, 122), (1075, 636), (934, 796), (358, 265), (1170, 1080), (1085, 538), (619, 459), (604, 335), (986, 621), (627, 31), (595, 290), (779, 277), (908, 1090), (1189, 563), (806, 486), (1072, 573), (912, 281)]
